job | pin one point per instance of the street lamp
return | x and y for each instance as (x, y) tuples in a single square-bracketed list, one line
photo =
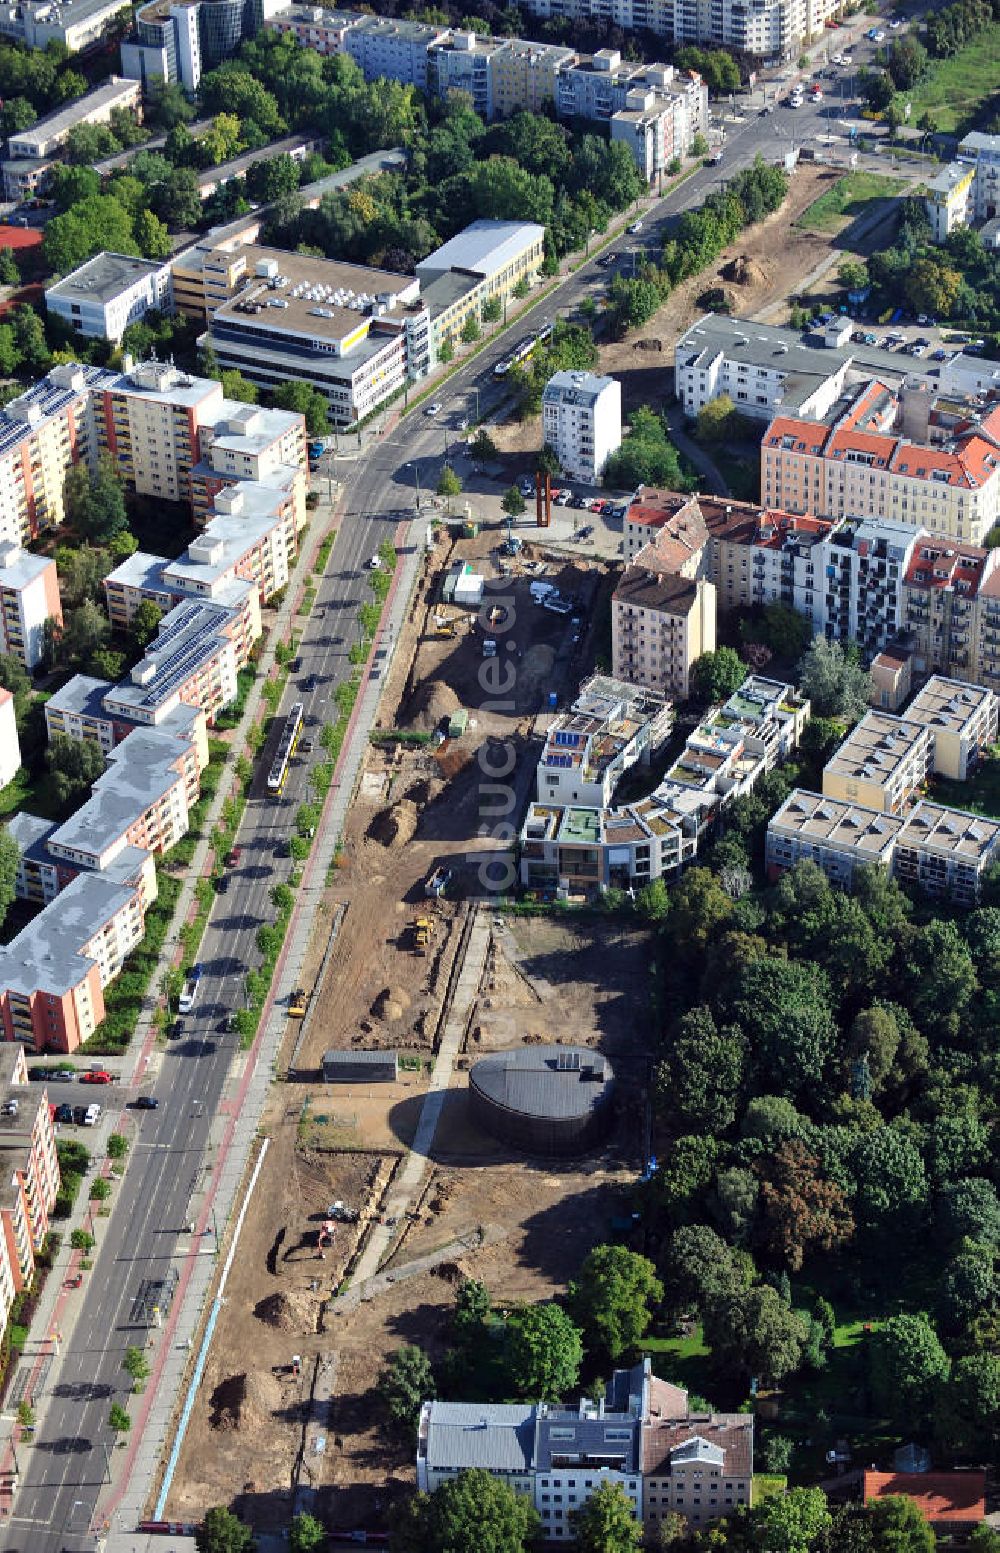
[(416, 481)]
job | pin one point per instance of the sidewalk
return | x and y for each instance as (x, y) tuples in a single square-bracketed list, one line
[(237, 1123)]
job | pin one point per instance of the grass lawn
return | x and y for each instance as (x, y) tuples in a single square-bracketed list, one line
[(682, 1360), (742, 475), (846, 199), (15, 796), (956, 89), (981, 795)]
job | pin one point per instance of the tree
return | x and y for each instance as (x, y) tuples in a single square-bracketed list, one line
[(446, 351), (10, 856), (699, 146), (74, 766), (484, 448), (907, 61), (85, 229), (834, 681), (700, 1267), (449, 483), (800, 1207), (136, 1365), (471, 330), (941, 959), (717, 675), (118, 1418), (719, 421), (967, 1417), (611, 1298), (512, 502), (177, 199), (699, 910), (908, 1366), (543, 1352), (606, 1522), (306, 401), (68, 184), (891, 1180), (85, 632), (10, 275), (236, 386), (792, 1522), (786, 1006), (145, 624), (700, 1080), (95, 504), (492, 310), (405, 1382), (151, 236), (306, 1534), (223, 1532), (933, 287), (969, 1209), (474, 1510), (852, 273), (754, 1333)]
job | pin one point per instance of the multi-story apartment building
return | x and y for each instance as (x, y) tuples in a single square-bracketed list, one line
[(76, 24), (966, 190), (881, 764), (29, 597), (848, 468), (609, 728), (53, 974), (525, 76), (963, 722), (194, 661), (29, 1175), (42, 432), (660, 625), (941, 852), (576, 849), (582, 422), (323, 31), (951, 610), (107, 293), (835, 833), (147, 421), (641, 1434), (463, 62), (176, 40), (763, 370), (394, 47), (10, 744)]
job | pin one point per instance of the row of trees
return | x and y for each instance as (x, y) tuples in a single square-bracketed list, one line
[(33, 82)]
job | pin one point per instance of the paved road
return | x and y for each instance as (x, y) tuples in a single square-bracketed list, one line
[(64, 1471)]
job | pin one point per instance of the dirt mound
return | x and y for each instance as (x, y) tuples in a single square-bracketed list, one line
[(245, 1401), (286, 1312), (425, 791), (395, 824), (451, 760), (744, 271), (391, 1003), (432, 704)]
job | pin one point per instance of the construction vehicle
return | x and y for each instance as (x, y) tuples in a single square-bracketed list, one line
[(444, 627), (423, 932), (298, 1003), (438, 881)]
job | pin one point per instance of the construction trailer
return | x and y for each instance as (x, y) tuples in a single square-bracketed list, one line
[(360, 1067)]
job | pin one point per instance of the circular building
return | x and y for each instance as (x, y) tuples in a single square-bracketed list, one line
[(544, 1099)]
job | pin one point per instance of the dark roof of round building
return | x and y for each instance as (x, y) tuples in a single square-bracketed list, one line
[(545, 1081)]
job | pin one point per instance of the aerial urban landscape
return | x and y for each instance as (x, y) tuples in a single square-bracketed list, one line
[(500, 776)]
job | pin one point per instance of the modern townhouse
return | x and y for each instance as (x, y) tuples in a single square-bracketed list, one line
[(882, 764), (575, 848), (641, 1434), (610, 727)]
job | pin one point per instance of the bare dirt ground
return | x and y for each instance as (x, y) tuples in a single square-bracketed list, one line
[(538, 1218)]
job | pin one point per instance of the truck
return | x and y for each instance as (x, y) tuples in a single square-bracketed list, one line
[(423, 932), (297, 1004), (489, 648), (438, 882), (458, 722), (189, 991)]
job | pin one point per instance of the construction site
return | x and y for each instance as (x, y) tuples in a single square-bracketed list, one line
[(379, 1192)]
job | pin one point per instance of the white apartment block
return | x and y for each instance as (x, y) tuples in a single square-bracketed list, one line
[(582, 422), (610, 727), (966, 191), (762, 369), (393, 47), (77, 24), (882, 764), (29, 597), (107, 293), (939, 851), (10, 745)]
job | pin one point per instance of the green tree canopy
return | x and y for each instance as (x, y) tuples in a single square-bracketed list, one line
[(715, 676), (908, 1367), (793, 1522), (474, 1510), (753, 1332), (223, 1532), (405, 1382), (612, 1298), (606, 1522), (306, 1534), (832, 677), (543, 1352)]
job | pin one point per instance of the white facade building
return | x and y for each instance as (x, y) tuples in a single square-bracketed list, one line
[(582, 422), (107, 293), (10, 748)]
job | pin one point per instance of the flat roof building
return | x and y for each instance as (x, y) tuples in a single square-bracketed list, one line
[(838, 835), (963, 720), (582, 422), (103, 296), (881, 764), (29, 598), (96, 107), (609, 728), (77, 24)]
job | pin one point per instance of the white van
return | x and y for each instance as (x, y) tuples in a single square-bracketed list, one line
[(92, 1116)]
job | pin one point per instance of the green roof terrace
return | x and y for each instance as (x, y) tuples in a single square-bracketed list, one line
[(581, 825)]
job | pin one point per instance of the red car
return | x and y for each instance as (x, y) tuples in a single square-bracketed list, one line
[(233, 857), (97, 1077)]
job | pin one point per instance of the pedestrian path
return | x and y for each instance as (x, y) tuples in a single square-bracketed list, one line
[(239, 1124)]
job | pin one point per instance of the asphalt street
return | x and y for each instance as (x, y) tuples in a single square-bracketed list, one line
[(63, 1472)]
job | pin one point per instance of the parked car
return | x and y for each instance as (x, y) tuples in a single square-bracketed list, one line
[(433, 409), (64, 1113), (306, 746), (92, 1116), (79, 1113), (98, 1077), (233, 856), (38, 1075), (636, 226), (62, 1076), (146, 1103)]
